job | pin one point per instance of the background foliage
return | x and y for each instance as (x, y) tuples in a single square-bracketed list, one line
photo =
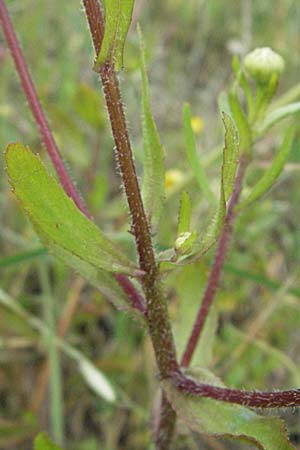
[(189, 50)]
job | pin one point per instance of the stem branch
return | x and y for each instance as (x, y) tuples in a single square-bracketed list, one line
[(281, 399)]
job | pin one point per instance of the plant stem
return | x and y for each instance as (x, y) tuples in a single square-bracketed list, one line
[(157, 314), (217, 267), (283, 399), (36, 108), (165, 424)]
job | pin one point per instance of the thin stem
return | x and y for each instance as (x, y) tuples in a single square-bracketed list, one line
[(36, 108), (216, 269), (281, 399), (157, 314)]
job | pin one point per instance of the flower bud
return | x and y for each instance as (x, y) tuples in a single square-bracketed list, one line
[(185, 242), (262, 63)]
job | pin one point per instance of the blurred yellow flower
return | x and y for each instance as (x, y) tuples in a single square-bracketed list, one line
[(172, 178), (197, 124)]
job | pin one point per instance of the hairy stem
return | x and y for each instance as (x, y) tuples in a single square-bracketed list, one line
[(157, 314), (217, 267), (281, 399), (164, 424), (36, 108)]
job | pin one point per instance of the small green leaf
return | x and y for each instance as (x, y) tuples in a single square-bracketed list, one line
[(193, 158), (55, 216), (42, 442), (231, 154), (277, 115), (216, 224), (271, 174), (217, 418), (118, 15), (240, 120), (154, 167), (184, 219), (230, 162)]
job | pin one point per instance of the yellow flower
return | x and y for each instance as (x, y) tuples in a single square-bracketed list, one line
[(172, 178), (197, 124)]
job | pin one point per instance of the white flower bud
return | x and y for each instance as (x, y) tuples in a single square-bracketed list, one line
[(262, 63)]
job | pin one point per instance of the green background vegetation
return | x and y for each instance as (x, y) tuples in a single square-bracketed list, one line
[(189, 52)]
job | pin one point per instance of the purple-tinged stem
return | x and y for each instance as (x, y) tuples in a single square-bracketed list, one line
[(48, 138), (36, 108), (137, 300), (281, 399), (217, 267)]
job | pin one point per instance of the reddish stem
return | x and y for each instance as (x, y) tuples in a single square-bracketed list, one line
[(48, 138), (216, 269), (137, 300), (36, 108), (281, 399)]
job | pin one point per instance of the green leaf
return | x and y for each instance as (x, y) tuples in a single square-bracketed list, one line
[(184, 219), (118, 15), (271, 174), (208, 416), (103, 281), (277, 115), (215, 226), (230, 162), (189, 285), (231, 153), (154, 167), (42, 442), (241, 121), (192, 155), (55, 216)]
